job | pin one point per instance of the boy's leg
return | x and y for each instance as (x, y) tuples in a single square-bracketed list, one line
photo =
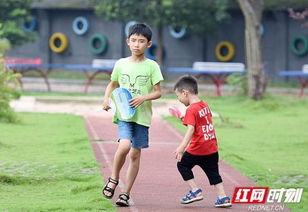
[(139, 141), (209, 164), (192, 184), (119, 157), (185, 168), (220, 190), (118, 162), (133, 168), (222, 201)]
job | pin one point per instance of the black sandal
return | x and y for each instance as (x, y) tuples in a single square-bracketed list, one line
[(107, 188), (123, 200)]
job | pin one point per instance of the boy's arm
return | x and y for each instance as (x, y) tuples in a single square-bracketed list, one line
[(110, 87), (138, 100), (181, 148)]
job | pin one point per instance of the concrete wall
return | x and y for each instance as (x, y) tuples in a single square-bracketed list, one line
[(78, 51), (279, 30)]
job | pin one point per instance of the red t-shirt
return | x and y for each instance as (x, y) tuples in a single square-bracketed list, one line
[(203, 141)]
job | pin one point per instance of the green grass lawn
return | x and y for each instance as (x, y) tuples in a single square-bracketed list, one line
[(47, 164), (267, 140)]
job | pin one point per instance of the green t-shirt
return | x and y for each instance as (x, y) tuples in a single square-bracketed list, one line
[(139, 79)]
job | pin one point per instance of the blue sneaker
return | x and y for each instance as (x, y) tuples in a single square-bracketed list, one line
[(192, 197), (224, 202)]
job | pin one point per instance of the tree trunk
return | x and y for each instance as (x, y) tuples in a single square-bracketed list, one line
[(252, 10), (160, 50)]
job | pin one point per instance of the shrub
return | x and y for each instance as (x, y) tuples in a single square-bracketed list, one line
[(239, 83), (7, 93)]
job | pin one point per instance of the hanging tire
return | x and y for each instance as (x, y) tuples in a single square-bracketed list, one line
[(80, 25), (151, 52), (178, 34), (304, 50), (103, 44), (30, 26), (58, 38), (128, 25), (230, 51)]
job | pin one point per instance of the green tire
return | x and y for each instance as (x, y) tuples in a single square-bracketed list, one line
[(294, 48), (102, 42)]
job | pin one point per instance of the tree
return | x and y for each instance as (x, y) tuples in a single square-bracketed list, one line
[(297, 9), (197, 16), (7, 114), (252, 11), (13, 14), (300, 16)]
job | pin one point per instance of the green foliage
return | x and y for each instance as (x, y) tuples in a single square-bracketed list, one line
[(13, 14), (197, 16), (276, 4), (6, 92), (239, 82), (284, 4)]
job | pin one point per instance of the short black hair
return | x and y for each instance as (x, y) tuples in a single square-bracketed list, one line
[(140, 29), (187, 82)]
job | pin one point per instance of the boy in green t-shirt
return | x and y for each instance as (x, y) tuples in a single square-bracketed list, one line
[(141, 76)]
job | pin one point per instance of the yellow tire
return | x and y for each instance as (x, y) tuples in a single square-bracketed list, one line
[(58, 38), (230, 51)]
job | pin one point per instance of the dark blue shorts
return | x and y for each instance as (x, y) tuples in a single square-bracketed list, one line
[(136, 133), (209, 164)]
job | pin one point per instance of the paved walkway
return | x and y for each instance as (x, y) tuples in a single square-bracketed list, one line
[(159, 186)]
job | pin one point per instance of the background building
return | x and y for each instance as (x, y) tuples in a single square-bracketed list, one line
[(52, 16)]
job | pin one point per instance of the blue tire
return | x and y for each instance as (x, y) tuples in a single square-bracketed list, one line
[(30, 26), (177, 33), (151, 52), (80, 25), (128, 25)]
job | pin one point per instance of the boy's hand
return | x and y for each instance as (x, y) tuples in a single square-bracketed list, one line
[(137, 101), (179, 153), (175, 112), (106, 105)]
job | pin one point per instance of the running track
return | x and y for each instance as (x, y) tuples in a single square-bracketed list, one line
[(159, 186)]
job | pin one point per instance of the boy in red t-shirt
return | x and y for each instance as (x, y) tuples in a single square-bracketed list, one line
[(199, 145)]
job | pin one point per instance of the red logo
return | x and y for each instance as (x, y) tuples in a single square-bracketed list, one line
[(250, 195)]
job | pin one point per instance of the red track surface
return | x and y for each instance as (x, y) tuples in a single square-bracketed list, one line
[(159, 186)]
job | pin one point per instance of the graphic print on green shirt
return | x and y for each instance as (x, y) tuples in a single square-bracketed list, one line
[(139, 78)]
